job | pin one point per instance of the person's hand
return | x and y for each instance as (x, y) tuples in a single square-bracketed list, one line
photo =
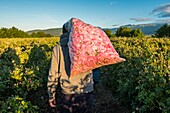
[(52, 102)]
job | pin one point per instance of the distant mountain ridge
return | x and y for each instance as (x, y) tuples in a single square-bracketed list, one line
[(52, 31), (147, 29)]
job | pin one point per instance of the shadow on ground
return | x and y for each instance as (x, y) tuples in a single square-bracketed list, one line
[(105, 102)]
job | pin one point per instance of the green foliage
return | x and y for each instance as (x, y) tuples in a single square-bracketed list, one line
[(108, 33), (16, 104), (16, 33), (136, 33), (143, 81), (123, 32), (12, 33), (128, 32), (24, 69), (163, 31), (40, 34)]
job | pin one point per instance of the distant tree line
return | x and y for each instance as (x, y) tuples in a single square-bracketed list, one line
[(40, 34), (163, 31), (16, 33), (125, 32), (13, 32), (128, 32)]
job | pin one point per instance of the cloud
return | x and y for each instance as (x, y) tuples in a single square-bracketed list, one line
[(115, 25), (113, 3), (162, 11), (164, 20), (103, 18), (140, 19)]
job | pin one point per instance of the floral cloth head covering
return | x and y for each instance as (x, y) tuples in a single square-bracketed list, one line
[(89, 47)]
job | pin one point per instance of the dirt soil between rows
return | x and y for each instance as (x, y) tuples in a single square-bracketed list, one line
[(105, 101)]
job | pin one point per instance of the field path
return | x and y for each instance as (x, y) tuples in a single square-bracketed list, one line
[(105, 102)]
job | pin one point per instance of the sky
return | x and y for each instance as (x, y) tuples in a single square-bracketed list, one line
[(44, 14)]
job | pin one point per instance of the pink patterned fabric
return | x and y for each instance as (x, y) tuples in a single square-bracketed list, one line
[(89, 48)]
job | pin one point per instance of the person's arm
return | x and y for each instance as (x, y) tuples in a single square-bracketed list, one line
[(53, 76)]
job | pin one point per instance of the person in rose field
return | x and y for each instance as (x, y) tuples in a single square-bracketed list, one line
[(77, 91)]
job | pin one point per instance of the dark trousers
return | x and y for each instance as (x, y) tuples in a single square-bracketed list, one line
[(76, 103)]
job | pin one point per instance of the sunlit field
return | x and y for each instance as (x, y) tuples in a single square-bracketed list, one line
[(141, 83)]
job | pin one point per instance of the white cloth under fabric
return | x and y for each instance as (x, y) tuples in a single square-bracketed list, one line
[(60, 68), (89, 47)]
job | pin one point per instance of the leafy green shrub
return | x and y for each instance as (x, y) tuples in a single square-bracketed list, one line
[(16, 104), (143, 81), (24, 69)]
